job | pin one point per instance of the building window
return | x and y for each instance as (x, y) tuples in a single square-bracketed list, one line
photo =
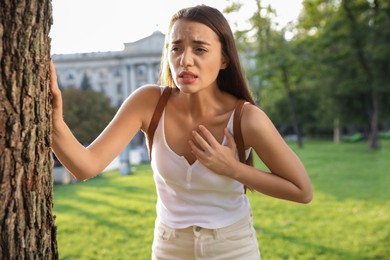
[(70, 75), (117, 72), (156, 72), (119, 88), (102, 88), (141, 70), (103, 73)]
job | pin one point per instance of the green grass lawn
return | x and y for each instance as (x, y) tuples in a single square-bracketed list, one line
[(112, 216)]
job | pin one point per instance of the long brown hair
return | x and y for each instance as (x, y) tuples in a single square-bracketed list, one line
[(230, 79)]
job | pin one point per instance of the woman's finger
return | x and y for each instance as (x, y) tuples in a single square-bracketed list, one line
[(53, 80), (208, 136), (55, 91), (200, 141)]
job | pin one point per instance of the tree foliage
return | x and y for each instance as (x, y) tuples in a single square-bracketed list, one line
[(85, 82), (86, 112), (336, 68), (348, 36), (275, 67)]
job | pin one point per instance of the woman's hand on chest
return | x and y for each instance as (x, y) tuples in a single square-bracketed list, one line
[(219, 158)]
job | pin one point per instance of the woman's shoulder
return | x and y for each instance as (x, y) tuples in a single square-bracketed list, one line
[(254, 119), (147, 95), (150, 89), (143, 101), (250, 110)]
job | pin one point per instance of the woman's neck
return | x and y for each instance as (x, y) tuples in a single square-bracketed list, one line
[(206, 103)]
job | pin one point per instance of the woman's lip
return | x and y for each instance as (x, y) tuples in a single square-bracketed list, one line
[(187, 74), (187, 80)]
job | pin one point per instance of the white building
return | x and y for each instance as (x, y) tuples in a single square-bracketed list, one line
[(116, 73)]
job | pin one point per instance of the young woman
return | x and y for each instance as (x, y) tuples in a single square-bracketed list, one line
[(202, 209)]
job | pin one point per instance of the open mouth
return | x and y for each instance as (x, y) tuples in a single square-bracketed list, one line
[(187, 75)]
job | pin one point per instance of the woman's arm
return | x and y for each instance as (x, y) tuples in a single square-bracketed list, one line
[(86, 162), (287, 178)]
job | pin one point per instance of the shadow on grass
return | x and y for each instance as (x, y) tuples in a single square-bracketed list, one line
[(79, 211), (82, 200), (111, 201), (307, 245)]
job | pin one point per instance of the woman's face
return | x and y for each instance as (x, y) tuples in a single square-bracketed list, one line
[(195, 56)]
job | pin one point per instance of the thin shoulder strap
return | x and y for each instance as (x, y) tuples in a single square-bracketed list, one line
[(156, 117), (237, 131)]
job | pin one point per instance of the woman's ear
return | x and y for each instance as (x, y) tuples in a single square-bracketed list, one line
[(225, 62)]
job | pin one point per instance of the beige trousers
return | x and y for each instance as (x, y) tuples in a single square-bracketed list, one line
[(237, 241)]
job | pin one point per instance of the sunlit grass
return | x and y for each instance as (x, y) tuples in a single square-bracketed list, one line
[(112, 216)]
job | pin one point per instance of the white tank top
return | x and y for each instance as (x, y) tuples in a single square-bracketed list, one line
[(193, 195)]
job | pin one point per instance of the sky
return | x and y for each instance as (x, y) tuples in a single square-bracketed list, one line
[(105, 25)]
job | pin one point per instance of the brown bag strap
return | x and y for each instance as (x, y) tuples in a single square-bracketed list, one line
[(237, 134), (156, 117), (237, 131)]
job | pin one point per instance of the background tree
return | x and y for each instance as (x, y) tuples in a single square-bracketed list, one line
[(85, 82), (352, 41), (27, 227), (86, 112), (276, 70), (332, 75)]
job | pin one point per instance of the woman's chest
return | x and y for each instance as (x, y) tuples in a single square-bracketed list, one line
[(178, 131)]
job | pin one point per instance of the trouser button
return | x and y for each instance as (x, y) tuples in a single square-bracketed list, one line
[(197, 229)]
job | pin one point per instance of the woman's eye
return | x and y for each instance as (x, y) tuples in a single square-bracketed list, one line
[(200, 50), (175, 49)]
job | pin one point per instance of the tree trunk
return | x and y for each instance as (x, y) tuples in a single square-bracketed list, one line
[(336, 131), (27, 229), (373, 121), (373, 109), (291, 105)]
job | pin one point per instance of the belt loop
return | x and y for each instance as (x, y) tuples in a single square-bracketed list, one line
[(196, 231), (165, 235), (216, 234)]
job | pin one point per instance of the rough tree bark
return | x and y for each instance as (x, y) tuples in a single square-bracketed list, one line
[(27, 229)]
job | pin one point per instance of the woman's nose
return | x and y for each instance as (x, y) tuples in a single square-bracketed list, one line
[(186, 59)]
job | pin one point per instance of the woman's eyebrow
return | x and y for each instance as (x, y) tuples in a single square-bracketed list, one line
[(199, 42)]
